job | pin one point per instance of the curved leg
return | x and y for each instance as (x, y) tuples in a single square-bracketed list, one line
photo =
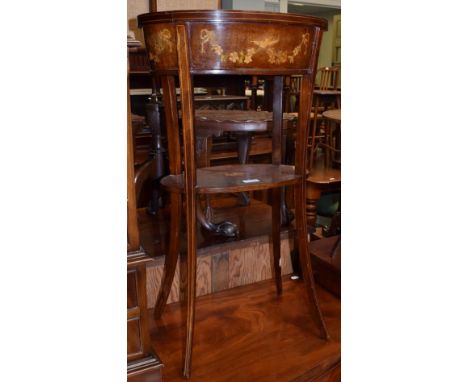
[(170, 261), (191, 288), (224, 228), (276, 237), (306, 263), (287, 216), (205, 218)]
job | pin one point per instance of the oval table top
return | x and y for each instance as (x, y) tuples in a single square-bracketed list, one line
[(334, 115)]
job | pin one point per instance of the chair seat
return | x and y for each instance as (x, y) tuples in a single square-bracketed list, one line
[(324, 176), (236, 178), (333, 114), (312, 115), (328, 92)]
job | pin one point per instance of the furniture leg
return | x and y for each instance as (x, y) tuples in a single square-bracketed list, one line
[(191, 294), (223, 228), (244, 141), (306, 262), (299, 199), (157, 153), (313, 133), (312, 196), (287, 215), (276, 237), (204, 217), (190, 180), (172, 127), (170, 261)]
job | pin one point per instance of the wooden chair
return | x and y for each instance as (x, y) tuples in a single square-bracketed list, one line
[(328, 78), (231, 42), (324, 171), (326, 96)]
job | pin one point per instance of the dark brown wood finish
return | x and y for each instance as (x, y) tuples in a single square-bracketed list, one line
[(326, 258), (237, 42), (142, 361), (322, 176), (133, 238), (299, 197), (211, 123), (250, 333), (186, 91), (233, 42)]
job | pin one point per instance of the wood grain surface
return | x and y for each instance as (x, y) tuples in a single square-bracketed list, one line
[(251, 334), (222, 269)]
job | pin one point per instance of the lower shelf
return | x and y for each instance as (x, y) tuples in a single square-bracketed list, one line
[(236, 178)]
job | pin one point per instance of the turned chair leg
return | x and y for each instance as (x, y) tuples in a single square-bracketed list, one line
[(305, 260), (312, 196), (170, 261)]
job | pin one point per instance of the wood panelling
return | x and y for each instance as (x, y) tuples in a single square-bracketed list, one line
[(132, 294), (204, 276), (237, 274), (147, 369), (154, 274), (220, 272), (224, 266), (133, 337)]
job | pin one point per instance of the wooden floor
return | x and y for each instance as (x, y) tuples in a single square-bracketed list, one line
[(249, 334)]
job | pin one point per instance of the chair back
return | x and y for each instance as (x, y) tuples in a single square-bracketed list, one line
[(327, 78)]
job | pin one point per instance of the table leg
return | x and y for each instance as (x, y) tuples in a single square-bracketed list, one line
[(312, 196), (244, 141), (205, 217)]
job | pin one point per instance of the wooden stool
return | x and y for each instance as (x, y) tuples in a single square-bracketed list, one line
[(232, 42)]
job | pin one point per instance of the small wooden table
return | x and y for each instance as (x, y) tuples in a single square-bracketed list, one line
[(333, 115), (243, 123), (190, 43)]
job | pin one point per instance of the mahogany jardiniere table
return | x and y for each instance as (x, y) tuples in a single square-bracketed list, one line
[(187, 43)]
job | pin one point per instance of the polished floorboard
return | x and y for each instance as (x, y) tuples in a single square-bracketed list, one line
[(248, 334)]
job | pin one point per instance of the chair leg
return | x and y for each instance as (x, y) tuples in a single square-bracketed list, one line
[(312, 196), (276, 237), (171, 255), (306, 262)]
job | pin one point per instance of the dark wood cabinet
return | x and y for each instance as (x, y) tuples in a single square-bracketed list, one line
[(142, 362)]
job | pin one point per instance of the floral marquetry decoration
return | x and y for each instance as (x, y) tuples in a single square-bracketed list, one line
[(269, 45), (161, 45)]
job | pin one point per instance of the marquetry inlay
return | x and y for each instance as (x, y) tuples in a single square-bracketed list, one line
[(267, 44), (159, 43)]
